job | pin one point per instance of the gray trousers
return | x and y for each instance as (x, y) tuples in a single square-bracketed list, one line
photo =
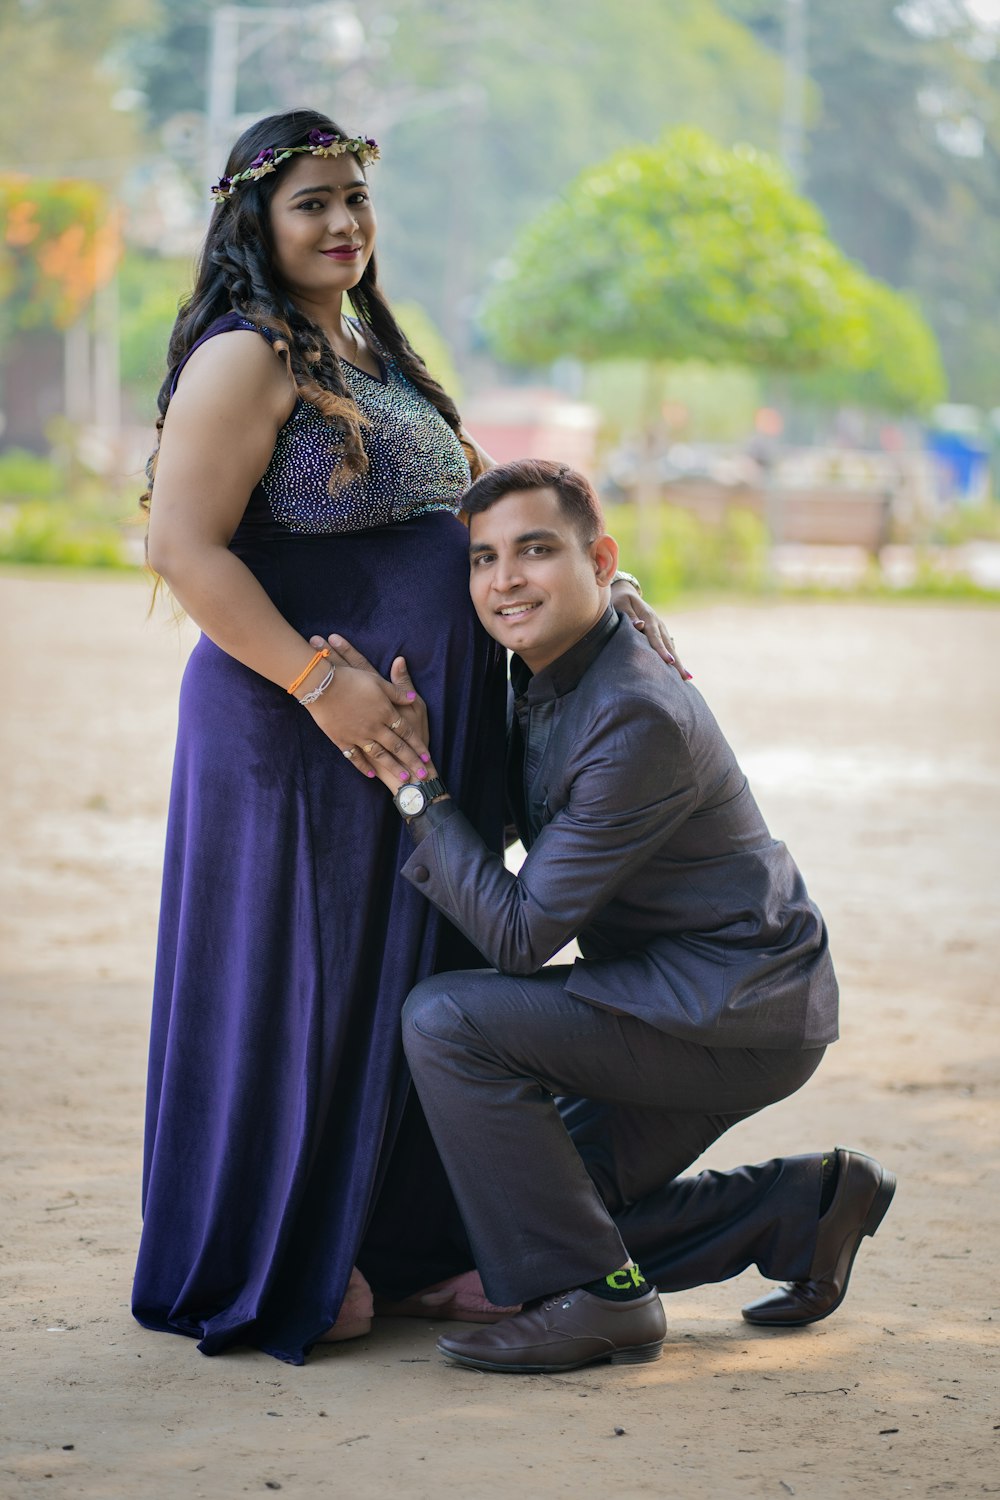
[(563, 1129)]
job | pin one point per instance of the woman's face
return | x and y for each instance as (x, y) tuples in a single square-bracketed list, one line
[(323, 225)]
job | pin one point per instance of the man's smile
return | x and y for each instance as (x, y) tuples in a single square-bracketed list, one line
[(515, 611)]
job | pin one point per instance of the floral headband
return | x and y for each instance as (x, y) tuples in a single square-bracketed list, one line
[(318, 143)]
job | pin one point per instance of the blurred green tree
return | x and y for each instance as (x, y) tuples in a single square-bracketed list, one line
[(485, 112), (896, 370), (686, 250), (903, 157), (66, 108), (547, 89)]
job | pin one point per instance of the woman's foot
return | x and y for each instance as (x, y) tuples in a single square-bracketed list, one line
[(460, 1299), (355, 1317)]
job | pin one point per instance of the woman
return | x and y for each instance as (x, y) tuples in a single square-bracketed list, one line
[(308, 480)]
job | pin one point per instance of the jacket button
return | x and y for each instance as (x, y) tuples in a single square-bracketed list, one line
[(421, 873)]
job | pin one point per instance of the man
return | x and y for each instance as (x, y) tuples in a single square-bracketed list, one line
[(704, 993)]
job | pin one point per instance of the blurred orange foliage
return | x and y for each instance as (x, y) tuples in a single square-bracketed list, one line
[(61, 242)]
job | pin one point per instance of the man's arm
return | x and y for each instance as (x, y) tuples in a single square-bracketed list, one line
[(635, 786)]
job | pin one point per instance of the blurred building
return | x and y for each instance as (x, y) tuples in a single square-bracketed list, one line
[(533, 422)]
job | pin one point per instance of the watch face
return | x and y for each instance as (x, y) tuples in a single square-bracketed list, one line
[(410, 800)]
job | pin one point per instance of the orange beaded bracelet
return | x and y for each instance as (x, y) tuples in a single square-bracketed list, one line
[(320, 656)]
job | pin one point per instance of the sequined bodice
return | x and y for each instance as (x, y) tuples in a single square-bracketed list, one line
[(415, 461)]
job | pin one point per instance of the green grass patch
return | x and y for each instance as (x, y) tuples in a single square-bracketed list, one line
[(60, 533), (674, 553)]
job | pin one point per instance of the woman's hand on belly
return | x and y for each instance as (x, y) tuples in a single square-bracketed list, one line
[(381, 727)]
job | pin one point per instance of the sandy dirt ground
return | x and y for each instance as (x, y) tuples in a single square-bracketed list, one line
[(871, 735)]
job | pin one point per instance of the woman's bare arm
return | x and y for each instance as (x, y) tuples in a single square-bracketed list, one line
[(218, 436)]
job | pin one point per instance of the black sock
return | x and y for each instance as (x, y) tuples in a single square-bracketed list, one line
[(828, 1182), (619, 1286)]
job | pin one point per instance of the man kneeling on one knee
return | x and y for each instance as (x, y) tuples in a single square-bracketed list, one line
[(566, 1100)]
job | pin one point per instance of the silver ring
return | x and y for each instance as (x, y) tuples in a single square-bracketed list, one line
[(350, 754)]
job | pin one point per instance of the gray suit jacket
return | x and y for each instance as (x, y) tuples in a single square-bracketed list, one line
[(644, 843)]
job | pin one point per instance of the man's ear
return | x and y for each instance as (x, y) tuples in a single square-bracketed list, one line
[(605, 555)]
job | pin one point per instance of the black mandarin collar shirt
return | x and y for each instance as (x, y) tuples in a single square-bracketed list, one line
[(562, 675), (536, 708)]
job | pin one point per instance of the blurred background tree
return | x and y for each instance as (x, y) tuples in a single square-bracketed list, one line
[(67, 107), (902, 154), (683, 250), (61, 245), (487, 114), (886, 112), (688, 251)]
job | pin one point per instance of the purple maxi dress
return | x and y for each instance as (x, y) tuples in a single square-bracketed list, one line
[(282, 1144)]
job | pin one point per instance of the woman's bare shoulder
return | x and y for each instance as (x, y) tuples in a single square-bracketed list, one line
[(235, 367)]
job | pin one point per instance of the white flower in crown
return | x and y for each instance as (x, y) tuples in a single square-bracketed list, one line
[(322, 143)]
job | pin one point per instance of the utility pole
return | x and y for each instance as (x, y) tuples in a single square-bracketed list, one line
[(794, 106)]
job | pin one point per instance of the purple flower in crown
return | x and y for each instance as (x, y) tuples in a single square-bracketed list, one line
[(321, 143), (262, 163), (221, 190)]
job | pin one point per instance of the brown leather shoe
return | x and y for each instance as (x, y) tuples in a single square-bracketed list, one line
[(862, 1197), (563, 1333)]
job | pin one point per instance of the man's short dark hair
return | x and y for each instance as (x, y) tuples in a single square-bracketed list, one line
[(577, 497)]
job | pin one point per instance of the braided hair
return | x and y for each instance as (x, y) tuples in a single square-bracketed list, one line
[(236, 274)]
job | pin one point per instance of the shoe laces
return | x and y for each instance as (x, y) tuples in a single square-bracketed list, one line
[(558, 1299)]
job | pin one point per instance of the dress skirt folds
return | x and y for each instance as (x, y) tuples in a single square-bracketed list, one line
[(288, 944)]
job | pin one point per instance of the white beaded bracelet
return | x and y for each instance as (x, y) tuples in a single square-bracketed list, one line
[(318, 691)]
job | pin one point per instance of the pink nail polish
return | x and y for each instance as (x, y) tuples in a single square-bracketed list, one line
[(404, 775), (688, 676), (424, 756), (370, 775), (410, 697), (421, 773)]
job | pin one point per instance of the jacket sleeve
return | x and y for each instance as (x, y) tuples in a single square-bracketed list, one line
[(634, 785)]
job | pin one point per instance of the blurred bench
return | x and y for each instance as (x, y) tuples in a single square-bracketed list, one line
[(831, 516)]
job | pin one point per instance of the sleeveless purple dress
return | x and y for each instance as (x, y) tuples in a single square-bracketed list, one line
[(283, 1144)]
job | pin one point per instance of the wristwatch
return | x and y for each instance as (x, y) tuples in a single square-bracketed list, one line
[(623, 577), (416, 796)]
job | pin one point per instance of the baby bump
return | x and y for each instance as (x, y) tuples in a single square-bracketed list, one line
[(395, 590)]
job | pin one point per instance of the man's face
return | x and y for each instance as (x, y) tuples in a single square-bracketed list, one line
[(536, 586)]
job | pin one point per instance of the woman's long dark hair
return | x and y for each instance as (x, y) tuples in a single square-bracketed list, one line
[(236, 274)]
